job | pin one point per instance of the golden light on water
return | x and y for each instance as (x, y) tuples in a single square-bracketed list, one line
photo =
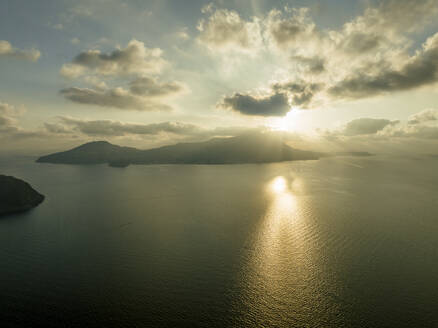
[(279, 185), (281, 254), (283, 201)]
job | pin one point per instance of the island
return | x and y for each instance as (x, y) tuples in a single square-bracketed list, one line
[(119, 164), (243, 149), (17, 196), (248, 148)]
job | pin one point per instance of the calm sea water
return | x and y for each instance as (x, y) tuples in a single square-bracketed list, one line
[(340, 242)]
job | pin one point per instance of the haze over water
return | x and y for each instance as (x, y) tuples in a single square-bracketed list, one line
[(339, 242)]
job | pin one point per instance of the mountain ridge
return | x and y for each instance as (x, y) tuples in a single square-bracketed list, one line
[(258, 148)]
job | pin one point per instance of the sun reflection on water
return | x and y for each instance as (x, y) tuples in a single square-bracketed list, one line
[(279, 185), (280, 257), (284, 201)]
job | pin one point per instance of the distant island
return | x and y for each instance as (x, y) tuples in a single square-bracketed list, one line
[(120, 164), (17, 195), (249, 148)]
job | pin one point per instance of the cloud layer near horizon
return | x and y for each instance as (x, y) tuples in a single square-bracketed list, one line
[(363, 134), (422, 125)]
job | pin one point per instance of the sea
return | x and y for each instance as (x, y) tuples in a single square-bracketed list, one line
[(337, 242)]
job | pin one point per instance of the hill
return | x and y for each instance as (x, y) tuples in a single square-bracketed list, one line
[(17, 195), (250, 148)]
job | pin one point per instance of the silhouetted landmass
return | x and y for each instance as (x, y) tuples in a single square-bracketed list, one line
[(97, 152), (352, 153), (120, 164), (17, 195), (251, 148)]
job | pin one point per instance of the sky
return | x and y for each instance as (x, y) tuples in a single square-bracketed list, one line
[(338, 74)]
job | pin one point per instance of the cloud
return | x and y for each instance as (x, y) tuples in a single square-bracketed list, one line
[(275, 104), (300, 92), (226, 30), (116, 98), (384, 26), (6, 109), (7, 50), (405, 15), (295, 30), (136, 62), (116, 128), (10, 125), (427, 115), (57, 128), (135, 59), (419, 70), (7, 124), (8, 118), (418, 131), (72, 71), (183, 34), (95, 82), (314, 65), (359, 42), (370, 55), (150, 87), (65, 130), (278, 102), (109, 128), (363, 126), (423, 125)]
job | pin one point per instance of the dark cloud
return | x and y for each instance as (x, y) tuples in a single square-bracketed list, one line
[(301, 93), (116, 98), (282, 96), (276, 104), (419, 70)]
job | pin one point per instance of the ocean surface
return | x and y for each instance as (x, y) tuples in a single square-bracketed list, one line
[(339, 242)]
